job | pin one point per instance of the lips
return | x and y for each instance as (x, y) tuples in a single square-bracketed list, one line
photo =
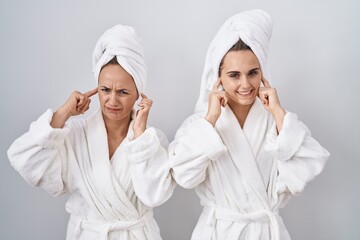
[(113, 110), (245, 93)]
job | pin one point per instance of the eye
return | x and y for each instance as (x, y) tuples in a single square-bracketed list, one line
[(253, 73), (104, 89), (234, 75), (123, 92)]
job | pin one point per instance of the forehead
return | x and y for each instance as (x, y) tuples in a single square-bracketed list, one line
[(115, 75), (240, 60)]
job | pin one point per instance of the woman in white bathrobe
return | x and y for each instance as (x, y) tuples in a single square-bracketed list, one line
[(114, 167), (244, 154)]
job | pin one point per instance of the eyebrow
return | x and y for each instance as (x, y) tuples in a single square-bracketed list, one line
[(120, 89), (254, 69)]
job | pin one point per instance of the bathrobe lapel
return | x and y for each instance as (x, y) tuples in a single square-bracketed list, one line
[(243, 144), (110, 199)]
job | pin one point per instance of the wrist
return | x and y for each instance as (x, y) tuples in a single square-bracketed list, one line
[(64, 112), (60, 117), (211, 118), (279, 115), (138, 130), (278, 112), (137, 133)]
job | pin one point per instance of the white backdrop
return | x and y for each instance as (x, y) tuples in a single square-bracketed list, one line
[(45, 54)]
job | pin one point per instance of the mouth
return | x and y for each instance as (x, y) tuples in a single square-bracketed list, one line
[(113, 110), (245, 93)]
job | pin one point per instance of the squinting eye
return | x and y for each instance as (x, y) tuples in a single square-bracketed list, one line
[(123, 92), (105, 90)]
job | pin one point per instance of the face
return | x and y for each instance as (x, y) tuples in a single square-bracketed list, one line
[(117, 92), (241, 77)]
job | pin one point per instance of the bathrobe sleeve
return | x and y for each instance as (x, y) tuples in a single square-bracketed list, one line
[(38, 155), (196, 144), (151, 176), (300, 158)]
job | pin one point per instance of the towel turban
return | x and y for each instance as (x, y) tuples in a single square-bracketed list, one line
[(123, 43)]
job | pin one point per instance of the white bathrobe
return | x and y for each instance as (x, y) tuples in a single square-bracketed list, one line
[(244, 176), (109, 198)]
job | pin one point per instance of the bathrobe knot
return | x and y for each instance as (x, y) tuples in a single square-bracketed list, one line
[(261, 215), (104, 228)]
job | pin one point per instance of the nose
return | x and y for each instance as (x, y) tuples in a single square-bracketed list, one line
[(244, 81), (113, 100)]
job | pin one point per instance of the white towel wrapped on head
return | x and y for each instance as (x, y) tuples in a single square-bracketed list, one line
[(254, 28), (123, 43)]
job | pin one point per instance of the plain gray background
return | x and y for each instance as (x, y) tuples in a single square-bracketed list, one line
[(45, 54)]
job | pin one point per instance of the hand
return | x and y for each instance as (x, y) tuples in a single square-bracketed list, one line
[(142, 116), (269, 97), (77, 103), (271, 102), (216, 100)]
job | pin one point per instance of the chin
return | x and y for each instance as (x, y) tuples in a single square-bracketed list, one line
[(114, 116), (244, 102)]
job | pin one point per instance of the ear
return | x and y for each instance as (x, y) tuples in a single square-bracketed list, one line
[(221, 87), (261, 80)]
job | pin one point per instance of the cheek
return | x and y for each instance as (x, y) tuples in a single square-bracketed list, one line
[(104, 97), (128, 102), (256, 81), (229, 84)]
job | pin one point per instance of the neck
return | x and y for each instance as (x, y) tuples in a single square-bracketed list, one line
[(240, 111), (117, 128)]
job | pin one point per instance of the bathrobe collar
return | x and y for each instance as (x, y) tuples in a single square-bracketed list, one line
[(244, 144), (113, 201)]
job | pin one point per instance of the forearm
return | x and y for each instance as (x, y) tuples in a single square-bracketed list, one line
[(150, 168), (279, 115), (300, 158), (211, 118), (59, 118), (152, 180), (195, 146), (36, 154)]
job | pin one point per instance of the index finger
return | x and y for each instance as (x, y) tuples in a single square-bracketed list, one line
[(216, 85), (143, 96), (91, 92), (265, 82)]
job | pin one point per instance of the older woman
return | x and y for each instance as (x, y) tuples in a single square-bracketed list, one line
[(114, 167), (242, 151)]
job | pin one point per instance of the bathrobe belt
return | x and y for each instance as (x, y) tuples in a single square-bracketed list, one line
[(261, 215), (104, 228)]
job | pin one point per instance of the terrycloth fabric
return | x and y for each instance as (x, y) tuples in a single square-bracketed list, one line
[(253, 27), (244, 176), (109, 198), (122, 42)]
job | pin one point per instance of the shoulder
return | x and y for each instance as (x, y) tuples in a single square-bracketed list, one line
[(194, 123), (79, 125), (193, 118), (76, 123)]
